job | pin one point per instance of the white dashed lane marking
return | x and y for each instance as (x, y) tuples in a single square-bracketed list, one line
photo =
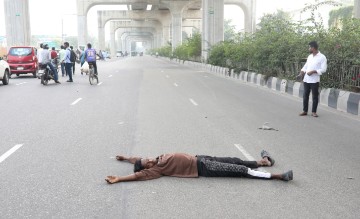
[(176, 85), (193, 102), (9, 152), (21, 83), (76, 101), (247, 155)]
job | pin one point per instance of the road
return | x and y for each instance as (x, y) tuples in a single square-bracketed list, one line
[(64, 147)]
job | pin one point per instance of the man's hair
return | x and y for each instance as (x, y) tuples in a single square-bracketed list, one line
[(89, 45), (53, 48), (61, 47), (66, 43), (313, 44), (41, 45), (71, 47), (137, 166)]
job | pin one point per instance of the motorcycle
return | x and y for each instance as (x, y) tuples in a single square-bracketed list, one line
[(45, 74)]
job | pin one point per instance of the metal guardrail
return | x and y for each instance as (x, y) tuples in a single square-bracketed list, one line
[(341, 75)]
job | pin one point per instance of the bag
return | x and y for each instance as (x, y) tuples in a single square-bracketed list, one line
[(85, 67), (72, 56)]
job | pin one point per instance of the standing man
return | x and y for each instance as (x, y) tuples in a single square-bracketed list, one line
[(67, 61), (73, 58), (315, 66), (62, 54)]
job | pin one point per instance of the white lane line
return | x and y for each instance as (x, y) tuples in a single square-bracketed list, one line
[(167, 76), (76, 101), (110, 76), (205, 76), (99, 83), (9, 152), (21, 83), (247, 155), (121, 123), (176, 85), (244, 152), (193, 102)]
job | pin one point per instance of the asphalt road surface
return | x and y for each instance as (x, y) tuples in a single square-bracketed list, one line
[(59, 142)]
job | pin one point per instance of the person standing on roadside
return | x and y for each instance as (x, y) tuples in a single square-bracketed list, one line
[(316, 65), (82, 59), (73, 58), (62, 54), (67, 62)]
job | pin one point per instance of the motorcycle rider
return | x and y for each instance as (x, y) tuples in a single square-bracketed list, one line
[(90, 57), (46, 60)]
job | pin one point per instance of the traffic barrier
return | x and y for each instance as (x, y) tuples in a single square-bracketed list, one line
[(344, 101)]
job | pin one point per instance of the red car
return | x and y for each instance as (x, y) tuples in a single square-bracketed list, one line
[(22, 60)]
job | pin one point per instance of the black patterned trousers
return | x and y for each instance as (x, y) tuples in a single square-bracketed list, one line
[(227, 167)]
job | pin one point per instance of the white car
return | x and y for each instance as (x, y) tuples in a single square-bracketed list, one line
[(4, 72)]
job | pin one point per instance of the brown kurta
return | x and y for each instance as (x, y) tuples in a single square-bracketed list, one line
[(177, 164)]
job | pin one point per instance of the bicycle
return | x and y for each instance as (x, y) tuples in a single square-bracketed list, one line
[(92, 76)]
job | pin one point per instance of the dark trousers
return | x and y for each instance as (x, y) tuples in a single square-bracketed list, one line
[(63, 69), (68, 70), (223, 166), (314, 88), (73, 67), (95, 67)]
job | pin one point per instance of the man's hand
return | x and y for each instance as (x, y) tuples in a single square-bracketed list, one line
[(311, 72), (111, 179), (120, 158)]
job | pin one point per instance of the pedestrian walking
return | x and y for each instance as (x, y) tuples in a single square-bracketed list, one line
[(316, 65)]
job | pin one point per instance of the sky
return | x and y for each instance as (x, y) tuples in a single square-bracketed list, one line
[(60, 16)]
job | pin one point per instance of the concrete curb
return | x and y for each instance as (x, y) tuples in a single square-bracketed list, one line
[(344, 101)]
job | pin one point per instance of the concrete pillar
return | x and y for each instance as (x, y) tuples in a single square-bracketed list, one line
[(213, 25), (356, 8), (112, 39), (17, 22), (176, 25), (166, 34), (118, 41), (101, 31), (82, 9), (101, 35)]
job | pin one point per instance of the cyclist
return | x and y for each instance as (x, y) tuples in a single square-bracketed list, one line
[(90, 57)]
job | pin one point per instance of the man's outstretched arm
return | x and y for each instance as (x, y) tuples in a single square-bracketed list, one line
[(128, 159), (116, 179)]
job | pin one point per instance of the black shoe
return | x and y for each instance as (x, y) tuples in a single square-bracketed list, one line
[(58, 82), (287, 176), (69, 81), (267, 154)]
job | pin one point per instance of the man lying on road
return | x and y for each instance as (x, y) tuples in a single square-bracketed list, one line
[(185, 165)]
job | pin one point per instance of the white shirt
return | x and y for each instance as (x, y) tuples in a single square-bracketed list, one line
[(317, 63), (39, 51), (45, 56)]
